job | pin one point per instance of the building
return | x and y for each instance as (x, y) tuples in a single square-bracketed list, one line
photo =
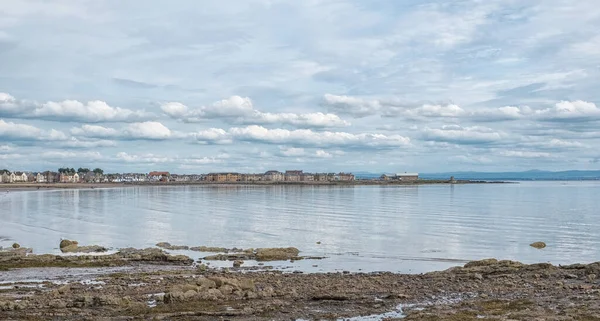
[(307, 177), (41, 178), (159, 176), (5, 178), (273, 176), (321, 177), (251, 177), (18, 177), (223, 177), (345, 177), (407, 176), (69, 178), (293, 176)]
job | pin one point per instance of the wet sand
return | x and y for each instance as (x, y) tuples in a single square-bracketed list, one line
[(152, 285)]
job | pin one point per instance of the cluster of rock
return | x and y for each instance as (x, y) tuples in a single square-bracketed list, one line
[(238, 255), (68, 246), (216, 288)]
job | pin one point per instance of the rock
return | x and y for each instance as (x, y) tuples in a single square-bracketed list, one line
[(212, 295), (486, 262), (591, 277), (64, 289), (478, 276), (538, 245), (247, 285), (276, 254), (319, 242), (205, 283), (16, 246), (57, 304), (209, 249), (172, 297), (189, 295), (226, 289), (68, 245), (570, 276), (168, 246), (237, 263)]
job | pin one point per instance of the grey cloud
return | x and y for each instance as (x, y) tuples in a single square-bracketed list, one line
[(135, 131)]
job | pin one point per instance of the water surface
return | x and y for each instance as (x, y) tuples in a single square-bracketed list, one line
[(372, 228)]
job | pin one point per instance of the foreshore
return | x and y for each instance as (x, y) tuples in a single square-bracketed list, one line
[(151, 284), (47, 186)]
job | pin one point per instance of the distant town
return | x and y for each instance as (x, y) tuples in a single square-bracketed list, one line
[(86, 175)]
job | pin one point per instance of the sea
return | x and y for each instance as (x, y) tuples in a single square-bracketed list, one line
[(406, 229)]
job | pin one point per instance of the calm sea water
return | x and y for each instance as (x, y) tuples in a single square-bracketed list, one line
[(371, 228)]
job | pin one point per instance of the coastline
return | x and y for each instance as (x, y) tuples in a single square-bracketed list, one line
[(58, 186), (150, 284)]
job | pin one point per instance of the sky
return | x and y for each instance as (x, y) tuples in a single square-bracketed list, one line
[(194, 86)]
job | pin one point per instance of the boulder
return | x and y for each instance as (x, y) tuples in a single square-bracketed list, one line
[(276, 254), (16, 246), (237, 263), (538, 245)]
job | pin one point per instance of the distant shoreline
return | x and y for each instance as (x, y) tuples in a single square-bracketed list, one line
[(58, 186)]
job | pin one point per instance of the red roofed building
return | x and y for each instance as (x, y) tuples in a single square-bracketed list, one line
[(159, 176)]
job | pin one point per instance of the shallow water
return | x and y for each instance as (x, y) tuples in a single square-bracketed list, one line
[(406, 229)]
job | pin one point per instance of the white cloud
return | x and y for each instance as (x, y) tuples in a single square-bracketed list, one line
[(354, 106), (14, 131), (68, 110), (240, 110), (463, 135), (307, 137), (60, 155), (212, 135), (524, 154), (578, 110), (158, 159), (427, 110), (292, 151), (136, 131)]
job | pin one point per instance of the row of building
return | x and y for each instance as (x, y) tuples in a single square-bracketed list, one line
[(270, 176), (90, 177)]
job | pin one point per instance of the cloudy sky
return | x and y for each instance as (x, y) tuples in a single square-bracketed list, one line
[(321, 85)]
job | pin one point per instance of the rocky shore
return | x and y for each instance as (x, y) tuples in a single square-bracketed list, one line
[(151, 284)]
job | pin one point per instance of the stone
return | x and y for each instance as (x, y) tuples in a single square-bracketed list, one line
[(65, 243), (237, 263), (64, 289), (16, 246), (478, 276), (591, 277), (226, 289), (538, 245), (205, 283), (486, 262), (247, 285), (276, 254)]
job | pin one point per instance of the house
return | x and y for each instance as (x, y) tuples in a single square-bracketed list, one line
[(407, 176), (293, 176), (159, 176), (307, 177), (320, 177), (69, 178), (344, 177), (52, 177), (223, 177), (5, 178), (18, 177), (41, 178), (251, 177), (273, 176)]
